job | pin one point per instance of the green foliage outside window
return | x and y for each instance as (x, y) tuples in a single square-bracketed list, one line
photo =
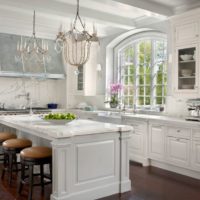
[(144, 73)]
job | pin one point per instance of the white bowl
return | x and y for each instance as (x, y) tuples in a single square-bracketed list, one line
[(186, 57), (187, 86), (186, 72)]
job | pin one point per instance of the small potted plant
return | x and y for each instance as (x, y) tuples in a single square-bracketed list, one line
[(115, 88)]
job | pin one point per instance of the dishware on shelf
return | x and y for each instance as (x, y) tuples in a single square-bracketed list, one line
[(186, 57), (186, 72), (194, 56), (187, 86)]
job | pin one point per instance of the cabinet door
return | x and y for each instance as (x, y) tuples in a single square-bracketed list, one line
[(186, 69), (156, 142), (178, 151), (186, 33), (136, 143), (196, 155)]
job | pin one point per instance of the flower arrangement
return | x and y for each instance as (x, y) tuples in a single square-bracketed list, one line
[(115, 88)]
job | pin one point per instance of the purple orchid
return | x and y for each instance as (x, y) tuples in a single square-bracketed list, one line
[(115, 88)]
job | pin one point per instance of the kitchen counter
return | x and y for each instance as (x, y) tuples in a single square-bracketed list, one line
[(36, 125), (144, 117), (90, 159)]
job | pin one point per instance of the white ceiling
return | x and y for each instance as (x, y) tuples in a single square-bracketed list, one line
[(110, 16)]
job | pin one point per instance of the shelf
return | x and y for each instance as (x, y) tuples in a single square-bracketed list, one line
[(186, 77), (187, 61)]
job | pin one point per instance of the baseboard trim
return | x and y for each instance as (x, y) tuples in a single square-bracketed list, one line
[(96, 193), (178, 170)]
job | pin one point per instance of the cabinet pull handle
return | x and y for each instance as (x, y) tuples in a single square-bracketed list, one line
[(178, 139), (178, 131), (197, 35)]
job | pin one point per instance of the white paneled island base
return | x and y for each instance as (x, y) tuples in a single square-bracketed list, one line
[(90, 159)]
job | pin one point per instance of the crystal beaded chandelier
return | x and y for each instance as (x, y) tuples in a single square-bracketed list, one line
[(32, 48), (75, 44)]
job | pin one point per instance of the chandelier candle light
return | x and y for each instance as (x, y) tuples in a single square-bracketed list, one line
[(32, 48), (75, 43)]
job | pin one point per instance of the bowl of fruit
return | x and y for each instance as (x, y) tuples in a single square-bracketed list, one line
[(59, 118)]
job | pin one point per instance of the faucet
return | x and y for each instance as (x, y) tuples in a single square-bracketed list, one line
[(27, 95), (2, 106), (134, 108)]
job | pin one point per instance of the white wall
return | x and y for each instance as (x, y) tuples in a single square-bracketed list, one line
[(41, 91)]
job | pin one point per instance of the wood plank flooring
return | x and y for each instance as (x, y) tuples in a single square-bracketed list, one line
[(148, 183)]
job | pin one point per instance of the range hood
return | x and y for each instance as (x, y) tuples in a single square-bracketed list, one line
[(10, 67)]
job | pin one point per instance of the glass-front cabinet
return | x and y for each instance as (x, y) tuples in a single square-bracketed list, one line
[(187, 67)]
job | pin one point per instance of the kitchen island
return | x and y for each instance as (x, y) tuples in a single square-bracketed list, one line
[(90, 159)]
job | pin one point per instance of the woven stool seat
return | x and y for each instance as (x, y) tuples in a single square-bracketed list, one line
[(5, 136), (18, 143), (38, 152)]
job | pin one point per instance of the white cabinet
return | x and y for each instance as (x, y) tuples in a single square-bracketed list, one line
[(185, 40), (138, 141), (156, 142), (178, 146), (178, 151), (187, 32), (195, 149), (186, 71), (196, 155)]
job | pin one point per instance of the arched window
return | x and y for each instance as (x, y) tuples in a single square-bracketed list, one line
[(142, 70)]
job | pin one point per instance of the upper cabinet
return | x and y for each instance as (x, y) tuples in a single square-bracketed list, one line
[(187, 32), (186, 68), (185, 42)]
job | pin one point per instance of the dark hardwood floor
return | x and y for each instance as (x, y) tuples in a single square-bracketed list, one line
[(148, 183)]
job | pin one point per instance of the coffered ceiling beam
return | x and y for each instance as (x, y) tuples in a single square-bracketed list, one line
[(148, 5), (63, 11)]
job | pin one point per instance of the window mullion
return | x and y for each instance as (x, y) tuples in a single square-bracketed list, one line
[(152, 73), (136, 73)]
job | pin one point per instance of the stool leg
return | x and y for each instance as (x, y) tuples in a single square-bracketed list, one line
[(4, 165), (21, 178), (42, 177), (30, 182), (10, 168), (50, 169)]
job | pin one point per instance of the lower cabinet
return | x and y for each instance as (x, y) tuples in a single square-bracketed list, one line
[(156, 142), (178, 151), (196, 155), (138, 141)]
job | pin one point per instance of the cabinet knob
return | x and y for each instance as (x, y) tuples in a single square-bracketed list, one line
[(197, 35), (177, 139), (178, 131)]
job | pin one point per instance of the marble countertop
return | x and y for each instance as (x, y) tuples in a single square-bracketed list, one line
[(37, 126), (145, 117)]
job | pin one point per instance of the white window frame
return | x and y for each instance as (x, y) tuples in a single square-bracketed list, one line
[(151, 35)]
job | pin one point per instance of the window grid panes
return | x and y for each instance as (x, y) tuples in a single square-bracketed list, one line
[(143, 72)]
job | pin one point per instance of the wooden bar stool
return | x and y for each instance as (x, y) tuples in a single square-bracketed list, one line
[(3, 137), (11, 148), (29, 157)]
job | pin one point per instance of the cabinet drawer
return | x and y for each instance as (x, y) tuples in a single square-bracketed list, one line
[(178, 132), (196, 134)]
